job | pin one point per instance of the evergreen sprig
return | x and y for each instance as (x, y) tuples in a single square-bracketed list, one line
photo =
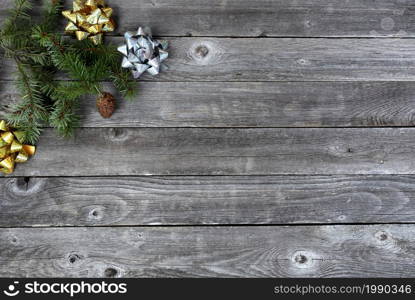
[(88, 63), (40, 53)]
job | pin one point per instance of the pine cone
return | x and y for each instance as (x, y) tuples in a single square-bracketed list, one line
[(106, 105)]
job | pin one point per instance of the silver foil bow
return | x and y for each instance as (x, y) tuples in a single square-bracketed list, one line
[(143, 53)]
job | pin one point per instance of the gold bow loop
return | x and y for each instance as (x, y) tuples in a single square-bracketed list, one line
[(89, 19), (12, 149)]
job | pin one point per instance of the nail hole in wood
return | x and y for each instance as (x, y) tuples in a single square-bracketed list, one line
[(110, 272)]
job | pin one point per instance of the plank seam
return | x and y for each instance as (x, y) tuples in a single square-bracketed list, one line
[(213, 175), (262, 36), (214, 225)]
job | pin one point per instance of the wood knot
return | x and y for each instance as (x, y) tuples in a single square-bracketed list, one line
[(201, 51), (387, 24), (303, 62), (381, 236), (341, 217), (26, 186), (14, 240), (74, 258), (308, 23), (118, 134), (205, 52), (95, 214), (22, 183), (302, 259), (110, 272)]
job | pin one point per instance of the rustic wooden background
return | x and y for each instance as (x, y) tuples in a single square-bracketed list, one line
[(280, 142)]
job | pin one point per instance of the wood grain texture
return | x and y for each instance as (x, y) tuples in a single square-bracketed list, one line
[(201, 151), (315, 18), (300, 251), (219, 76), (253, 104), (132, 201), (286, 59)]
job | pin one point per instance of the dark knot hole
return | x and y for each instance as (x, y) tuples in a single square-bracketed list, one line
[(301, 259), (110, 272), (202, 51)]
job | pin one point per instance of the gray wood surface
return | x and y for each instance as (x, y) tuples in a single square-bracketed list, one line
[(299, 65), (334, 18), (225, 200), (282, 59), (254, 104), (311, 251), (202, 151)]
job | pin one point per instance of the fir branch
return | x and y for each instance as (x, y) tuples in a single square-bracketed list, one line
[(15, 28), (51, 14), (18, 14), (64, 117), (39, 53), (20, 10), (30, 112), (122, 82)]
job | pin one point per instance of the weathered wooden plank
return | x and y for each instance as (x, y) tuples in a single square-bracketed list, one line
[(131, 201), (287, 59), (297, 251), (254, 104), (316, 18), (201, 151)]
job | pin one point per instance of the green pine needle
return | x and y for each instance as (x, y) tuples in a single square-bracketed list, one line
[(39, 53)]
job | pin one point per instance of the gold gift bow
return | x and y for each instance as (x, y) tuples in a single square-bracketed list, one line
[(12, 150), (89, 19)]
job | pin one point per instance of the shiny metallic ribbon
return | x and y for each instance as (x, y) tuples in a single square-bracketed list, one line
[(89, 19), (143, 53), (12, 149)]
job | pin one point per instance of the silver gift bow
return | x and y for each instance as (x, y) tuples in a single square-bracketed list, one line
[(142, 53)]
